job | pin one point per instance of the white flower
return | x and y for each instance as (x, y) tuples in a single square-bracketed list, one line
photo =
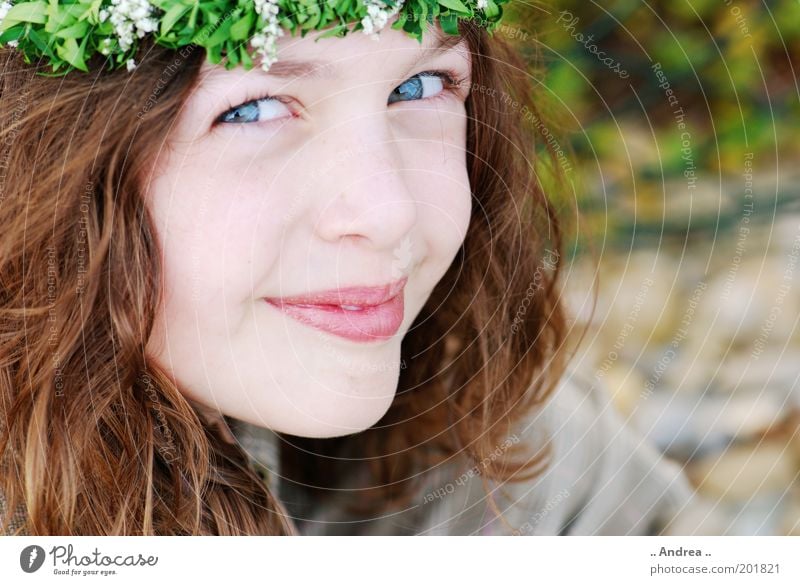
[(482, 4), (103, 15), (131, 64), (378, 16), (265, 41), (4, 8), (131, 17)]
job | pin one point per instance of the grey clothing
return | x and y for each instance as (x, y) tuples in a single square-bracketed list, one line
[(603, 479)]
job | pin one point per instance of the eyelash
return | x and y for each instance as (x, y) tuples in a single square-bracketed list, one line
[(452, 85)]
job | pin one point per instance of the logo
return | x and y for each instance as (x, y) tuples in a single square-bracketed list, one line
[(31, 558), (402, 258)]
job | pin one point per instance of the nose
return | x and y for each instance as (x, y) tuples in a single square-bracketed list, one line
[(368, 199)]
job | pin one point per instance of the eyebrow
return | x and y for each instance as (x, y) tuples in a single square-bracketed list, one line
[(321, 69)]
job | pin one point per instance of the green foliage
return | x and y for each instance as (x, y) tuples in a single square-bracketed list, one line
[(729, 67), (69, 32)]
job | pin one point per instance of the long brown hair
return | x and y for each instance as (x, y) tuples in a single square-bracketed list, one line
[(95, 439)]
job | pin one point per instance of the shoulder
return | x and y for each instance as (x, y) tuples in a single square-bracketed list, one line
[(604, 477)]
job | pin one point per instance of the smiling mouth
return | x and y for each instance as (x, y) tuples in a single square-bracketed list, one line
[(364, 314)]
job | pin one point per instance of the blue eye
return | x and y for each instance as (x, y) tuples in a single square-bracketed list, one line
[(253, 111), (414, 87), (268, 108)]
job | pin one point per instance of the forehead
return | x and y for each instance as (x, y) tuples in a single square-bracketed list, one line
[(311, 57)]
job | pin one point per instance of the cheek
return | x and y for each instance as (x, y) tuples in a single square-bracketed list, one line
[(444, 219), (442, 190), (442, 155), (214, 236)]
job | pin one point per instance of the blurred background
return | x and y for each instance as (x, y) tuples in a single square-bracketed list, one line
[(679, 122)]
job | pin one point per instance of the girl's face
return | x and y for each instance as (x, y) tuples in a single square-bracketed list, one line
[(340, 173)]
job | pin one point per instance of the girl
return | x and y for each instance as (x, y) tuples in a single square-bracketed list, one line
[(318, 296)]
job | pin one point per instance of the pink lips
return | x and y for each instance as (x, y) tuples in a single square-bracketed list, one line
[(356, 313)]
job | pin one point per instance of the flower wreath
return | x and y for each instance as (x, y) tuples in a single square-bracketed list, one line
[(66, 33)]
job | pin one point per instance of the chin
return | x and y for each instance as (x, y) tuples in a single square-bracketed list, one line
[(347, 417), (355, 418)]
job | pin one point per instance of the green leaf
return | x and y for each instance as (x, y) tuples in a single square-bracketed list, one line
[(75, 10), (492, 10), (422, 13), (449, 23), (11, 35), (414, 28), (313, 20), (232, 54), (35, 12), (214, 54), (40, 44), (72, 54), (193, 15), (241, 28), (247, 61), (455, 5), (209, 15), (172, 16), (76, 31), (401, 20), (201, 36), (287, 23), (333, 32), (221, 34), (62, 15)]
